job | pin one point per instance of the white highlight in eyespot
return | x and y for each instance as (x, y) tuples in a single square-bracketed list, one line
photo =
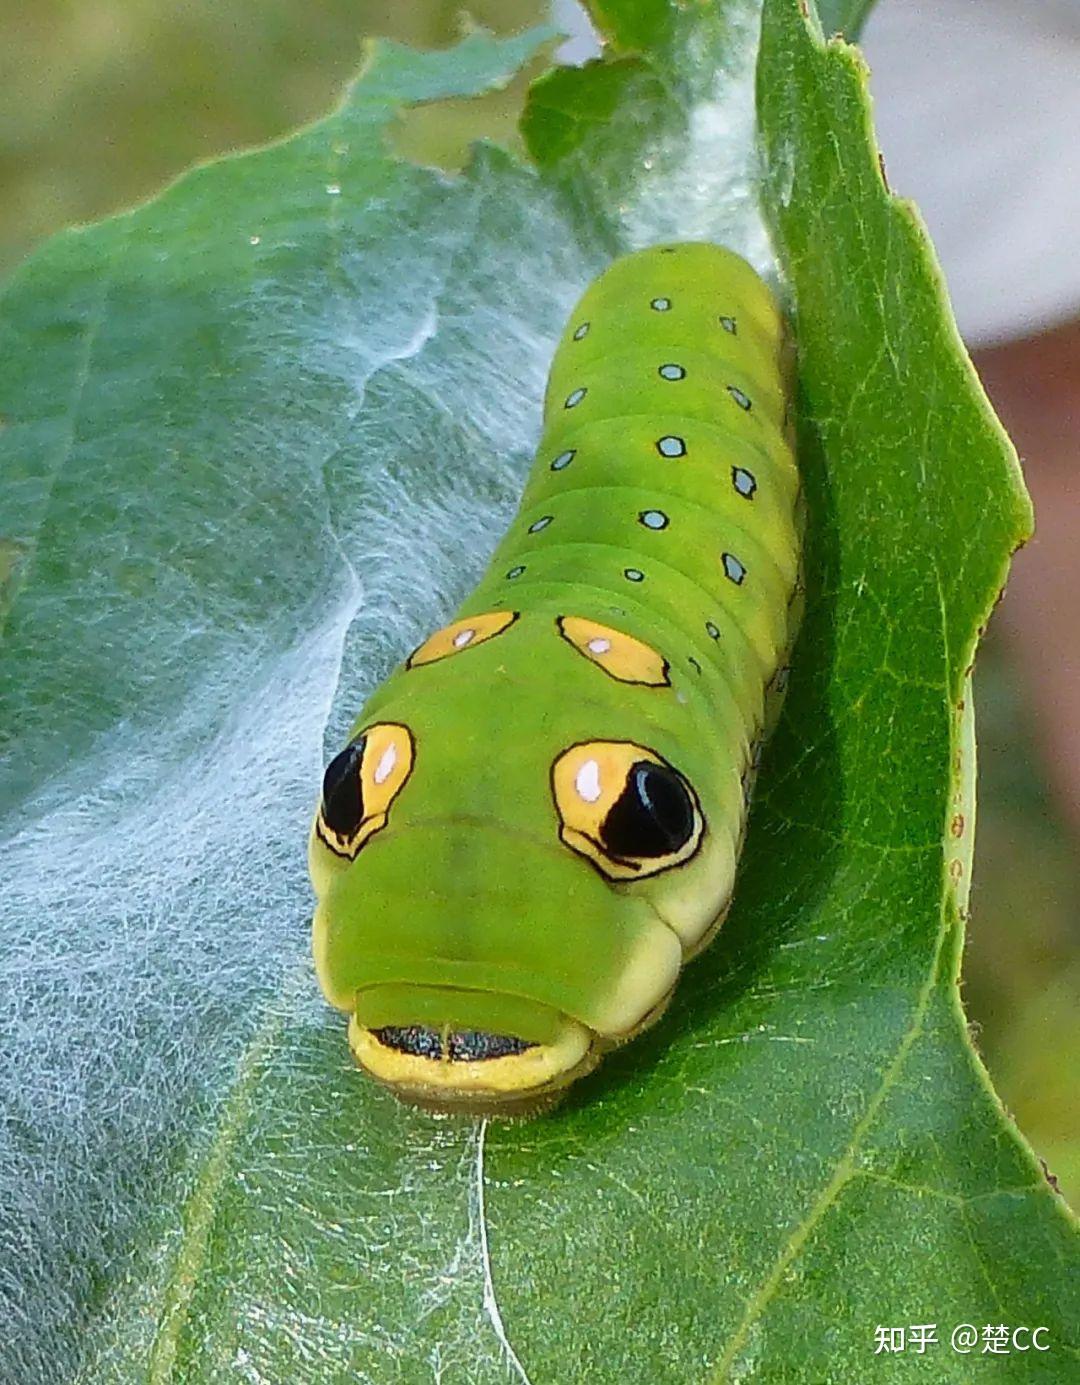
[(587, 781), (598, 646), (386, 764), (462, 638)]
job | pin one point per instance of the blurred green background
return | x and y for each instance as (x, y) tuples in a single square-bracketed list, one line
[(102, 101)]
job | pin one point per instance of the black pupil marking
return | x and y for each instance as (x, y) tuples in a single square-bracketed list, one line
[(342, 799), (652, 817), (464, 1046)]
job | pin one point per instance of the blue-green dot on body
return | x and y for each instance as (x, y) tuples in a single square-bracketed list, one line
[(633, 574), (671, 446), (574, 398), (563, 459), (671, 371), (515, 572), (711, 630), (581, 331), (743, 400), (541, 523), (653, 519), (660, 305), (743, 481), (728, 324), (733, 568)]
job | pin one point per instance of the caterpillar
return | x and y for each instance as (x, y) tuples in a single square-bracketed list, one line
[(537, 818)]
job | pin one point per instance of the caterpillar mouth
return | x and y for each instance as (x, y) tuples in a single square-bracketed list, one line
[(472, 1069), (456, 1046)]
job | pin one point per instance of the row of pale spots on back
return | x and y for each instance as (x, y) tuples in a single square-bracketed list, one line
[(663, 507), (629, 625), (665, 480), (666, 471)]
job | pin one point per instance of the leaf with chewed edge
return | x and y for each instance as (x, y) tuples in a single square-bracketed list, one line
[(262, 434)]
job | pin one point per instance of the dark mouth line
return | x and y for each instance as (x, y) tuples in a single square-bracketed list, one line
[(456, 1045)]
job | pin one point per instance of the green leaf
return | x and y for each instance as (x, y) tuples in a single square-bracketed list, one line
[(260, 435)]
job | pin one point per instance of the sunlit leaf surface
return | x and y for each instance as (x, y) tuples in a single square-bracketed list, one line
[(260, 436)]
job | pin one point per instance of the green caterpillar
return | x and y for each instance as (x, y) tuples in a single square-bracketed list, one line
[(537, 819)]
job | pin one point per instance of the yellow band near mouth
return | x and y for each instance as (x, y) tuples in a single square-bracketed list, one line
[(537, 1069)]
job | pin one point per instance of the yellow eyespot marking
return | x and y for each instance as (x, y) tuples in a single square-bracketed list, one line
[(360, 784), (625, 809), (462, 634), (621, 656)]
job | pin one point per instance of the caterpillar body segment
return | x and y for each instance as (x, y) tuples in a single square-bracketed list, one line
[(538, 816)]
